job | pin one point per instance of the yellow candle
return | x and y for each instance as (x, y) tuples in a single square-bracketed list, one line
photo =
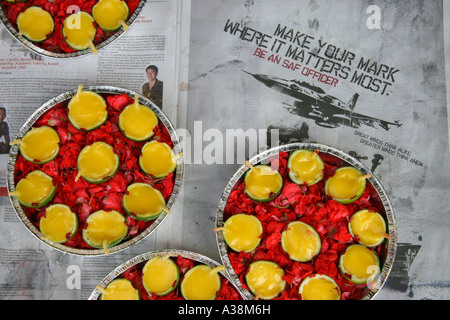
[(201, 283), (110, 15), (157, 159), (87, 110), (35, 190), (300, 241), (105, 229), (79, 31), (265, 279), (40, 145), (138, 122), (59, 223), (143, 202), (119, 289), (262, 183), (359, 263), (368, 227), (160, 276), (346, 185), (97, 162), (319, 287), (305, 167), (242, 232), (35, 24)]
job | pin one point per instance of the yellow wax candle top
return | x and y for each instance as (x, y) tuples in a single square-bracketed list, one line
[(265, 279), (35, 24), (35, 189), (79, 31), (262, 182), (59, 223), (300, 241), (105, 228), (110, 14), (242, 232), (138, 122), (119, 289), (360, 262), (143, 201), (368, 227), (40, 145), (87, 110), (346, 184), (157, 159), (160, 275), (97, 162), (319, 287), (306, 167), (201, 283)]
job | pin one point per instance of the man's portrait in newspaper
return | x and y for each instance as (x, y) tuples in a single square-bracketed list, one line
[(4, 132), (153, 89)]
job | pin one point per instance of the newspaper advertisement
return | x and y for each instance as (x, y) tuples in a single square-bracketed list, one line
[(240, 77), (255, 71)]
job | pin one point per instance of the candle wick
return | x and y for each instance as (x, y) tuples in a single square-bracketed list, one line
[(217, 269), (17, 141), (124, 25), (14, 193), (248, 164), (165, 209), (102, 290), (313, 155), (105, 247), (80, 87), (178, 156), (165, 257), (367, 176), (92, 47)]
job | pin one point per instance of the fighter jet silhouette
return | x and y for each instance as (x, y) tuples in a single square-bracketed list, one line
[(314, 103)]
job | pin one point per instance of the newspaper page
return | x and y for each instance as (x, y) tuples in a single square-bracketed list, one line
[(30, 269), (383, 60)]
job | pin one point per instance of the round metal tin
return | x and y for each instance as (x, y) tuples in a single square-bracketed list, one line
[(389, 247), (149, 255), (36, 49), (65, 97)]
